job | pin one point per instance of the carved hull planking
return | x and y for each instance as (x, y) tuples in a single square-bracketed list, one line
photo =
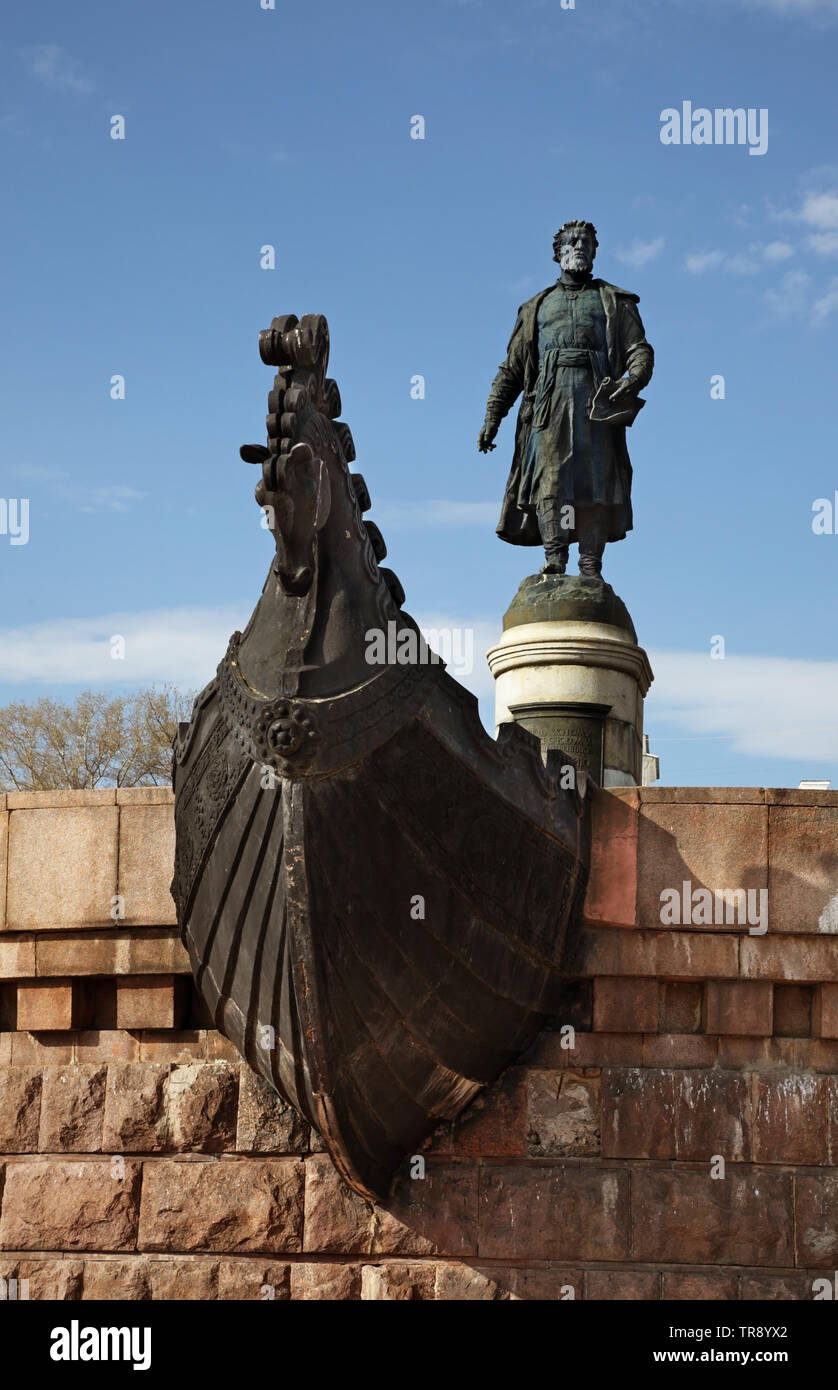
[(381, 933)]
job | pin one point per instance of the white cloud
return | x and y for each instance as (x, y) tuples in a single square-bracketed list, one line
[(765, 706), (64, 487), (57, 69), (818, 214), (758, 256), (39, 473), (792, 296), (828, 302), (114, 498), (733, 263), (640, 253), (700, 261), (825, 243), (795, 297), (820, 210), (777, 251), (181, 645)]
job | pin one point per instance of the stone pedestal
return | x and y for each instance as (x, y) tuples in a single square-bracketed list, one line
[(568, 667)]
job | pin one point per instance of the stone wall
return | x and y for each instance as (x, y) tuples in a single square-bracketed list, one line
[(672, 1134)]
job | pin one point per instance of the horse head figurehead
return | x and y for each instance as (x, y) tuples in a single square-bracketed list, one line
[(295, 492), (311, 624), (296, 498)]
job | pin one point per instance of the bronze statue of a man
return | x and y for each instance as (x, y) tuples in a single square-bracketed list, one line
[(571, 476)]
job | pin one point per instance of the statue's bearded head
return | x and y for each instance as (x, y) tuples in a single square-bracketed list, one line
[(574, 246)]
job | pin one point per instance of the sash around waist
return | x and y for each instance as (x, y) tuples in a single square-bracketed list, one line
[(571, 356)]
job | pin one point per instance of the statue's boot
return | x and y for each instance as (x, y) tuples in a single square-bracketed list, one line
[(554, 537), (556, 560), (592, 538)]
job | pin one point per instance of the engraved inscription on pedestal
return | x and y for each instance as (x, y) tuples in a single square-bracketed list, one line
[(577, 729)]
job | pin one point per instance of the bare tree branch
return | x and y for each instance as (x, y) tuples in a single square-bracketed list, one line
[(98, 740)]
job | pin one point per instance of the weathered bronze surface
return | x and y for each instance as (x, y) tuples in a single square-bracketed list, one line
[(571, 476), (374, 893)]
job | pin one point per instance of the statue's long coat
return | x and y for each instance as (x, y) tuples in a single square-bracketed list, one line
[(628, 351)]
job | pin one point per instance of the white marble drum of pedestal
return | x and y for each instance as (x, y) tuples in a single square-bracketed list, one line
[(566, 679)]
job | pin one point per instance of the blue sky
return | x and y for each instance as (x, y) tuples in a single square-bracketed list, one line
[(291, 127)]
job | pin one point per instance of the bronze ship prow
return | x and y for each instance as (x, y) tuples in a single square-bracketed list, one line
[(373, 892)]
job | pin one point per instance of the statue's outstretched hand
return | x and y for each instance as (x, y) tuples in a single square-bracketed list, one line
[(625, 388), (486, 437)]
